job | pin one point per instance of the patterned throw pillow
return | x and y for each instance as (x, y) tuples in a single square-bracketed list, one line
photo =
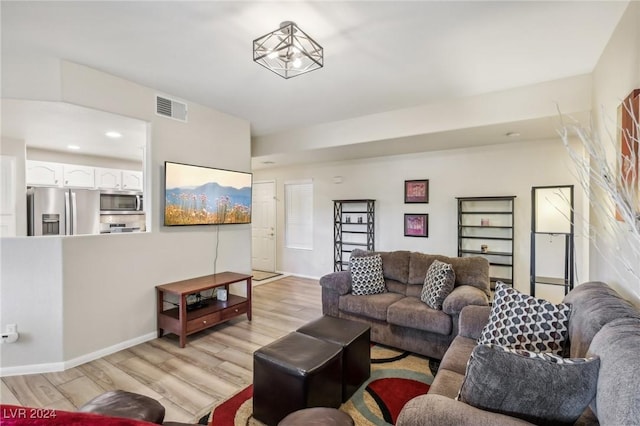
[(540, 388), (437, 284), (520, 321), (366, 275)]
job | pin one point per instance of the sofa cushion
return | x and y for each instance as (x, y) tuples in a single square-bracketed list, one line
[(419, 265), (373, 306), (395, 264), (618, 398), (540, 388), (411, 312), (520, 321), (414, 290), (395, 286), (446, 383), (593, 304), (472, 320), (366, 275), (437, 284), (458, 354), (463, 296), (473, 271)]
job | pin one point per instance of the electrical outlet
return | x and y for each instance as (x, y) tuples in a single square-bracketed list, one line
[(11, 334)]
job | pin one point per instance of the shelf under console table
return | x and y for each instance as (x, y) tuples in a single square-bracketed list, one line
[(210, 312)]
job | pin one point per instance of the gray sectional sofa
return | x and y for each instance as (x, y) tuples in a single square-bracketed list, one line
[(398, 317), (601, 324)]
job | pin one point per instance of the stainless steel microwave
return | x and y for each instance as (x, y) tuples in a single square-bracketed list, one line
[(119, 202)]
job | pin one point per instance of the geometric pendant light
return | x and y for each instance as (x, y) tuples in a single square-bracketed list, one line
[(288, 51)]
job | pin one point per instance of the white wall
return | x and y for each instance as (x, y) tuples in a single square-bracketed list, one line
[(108, 281), (505, 169), (31, 289), (615, 76)]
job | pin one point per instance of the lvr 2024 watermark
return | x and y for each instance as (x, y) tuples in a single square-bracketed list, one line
[(27, 413)]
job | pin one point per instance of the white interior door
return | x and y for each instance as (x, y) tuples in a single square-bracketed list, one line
[(263, 228)]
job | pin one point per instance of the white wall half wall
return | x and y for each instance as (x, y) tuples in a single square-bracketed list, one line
[(31, 285), (497, 170), (107, 282)]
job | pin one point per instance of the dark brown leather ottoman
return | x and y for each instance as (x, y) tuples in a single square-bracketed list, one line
[(295, 372), (130, 405), (355, 338), (318, 416)]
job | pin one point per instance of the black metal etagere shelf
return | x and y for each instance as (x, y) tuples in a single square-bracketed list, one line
[(485, 228), (353, 227)]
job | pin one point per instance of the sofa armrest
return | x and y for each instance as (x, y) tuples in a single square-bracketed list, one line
[(438, 410), (472, 321), (339, 282), (462, 296)]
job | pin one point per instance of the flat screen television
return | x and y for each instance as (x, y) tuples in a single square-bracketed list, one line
[(198, 195)]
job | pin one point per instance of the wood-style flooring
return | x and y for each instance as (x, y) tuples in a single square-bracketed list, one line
[(214, 365)]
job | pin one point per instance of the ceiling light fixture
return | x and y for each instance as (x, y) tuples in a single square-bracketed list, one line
[(288, 51), (512, 134), (113, 134), (73, 147)]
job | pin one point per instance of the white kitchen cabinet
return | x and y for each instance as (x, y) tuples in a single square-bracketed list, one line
[(108, 178), (79, 176), (131, 180), (44, 173)]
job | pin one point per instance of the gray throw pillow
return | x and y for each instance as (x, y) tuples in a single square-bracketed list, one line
[(540, 388), (366, 275), (437, 284), (520, 321)]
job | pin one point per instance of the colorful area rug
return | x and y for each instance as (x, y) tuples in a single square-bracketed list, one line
[(396, 378)]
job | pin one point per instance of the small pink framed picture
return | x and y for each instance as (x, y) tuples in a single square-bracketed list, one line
[(416, 225), (416, 191)]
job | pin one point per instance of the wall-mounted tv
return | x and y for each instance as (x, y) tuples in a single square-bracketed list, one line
[(197, 195)]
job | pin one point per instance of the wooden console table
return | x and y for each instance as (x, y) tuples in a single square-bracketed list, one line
[(210, 312)]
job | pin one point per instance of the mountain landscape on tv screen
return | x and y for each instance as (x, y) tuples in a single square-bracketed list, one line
[(210, 203)]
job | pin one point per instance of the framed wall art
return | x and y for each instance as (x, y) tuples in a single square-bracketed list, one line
[(416, 191), (629, 157), (416, 225)]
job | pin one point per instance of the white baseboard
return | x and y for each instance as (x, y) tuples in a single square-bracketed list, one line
[(298, 275), (61, 366), (109, 350), (282, 275), (31, 369)]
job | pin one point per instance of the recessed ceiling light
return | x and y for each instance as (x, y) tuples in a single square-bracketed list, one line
[(113, 134), (512, 134), (74, 147)]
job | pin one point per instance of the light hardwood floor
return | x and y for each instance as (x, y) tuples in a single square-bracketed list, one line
[(215, 364)]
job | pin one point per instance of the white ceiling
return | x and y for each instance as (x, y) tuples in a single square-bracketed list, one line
[(56, 126), (379, 55)]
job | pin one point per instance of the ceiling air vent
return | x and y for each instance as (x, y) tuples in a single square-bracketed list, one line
[(171, 108)]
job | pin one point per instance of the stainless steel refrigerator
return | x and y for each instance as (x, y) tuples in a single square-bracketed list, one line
[(61, 211)]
